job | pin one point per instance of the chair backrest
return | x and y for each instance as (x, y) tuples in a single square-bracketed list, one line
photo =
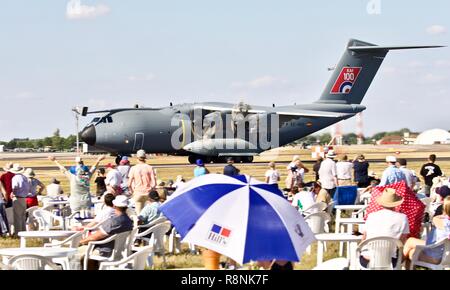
[(120, 246), (138, 260), (345, 195), (32, 262), (31, 222), (158, 231), (445, 262), (314, 208), (44, 219), (380, 251), (317, 222), (130, 240)]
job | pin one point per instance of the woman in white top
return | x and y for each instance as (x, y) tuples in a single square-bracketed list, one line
[(272, 175)]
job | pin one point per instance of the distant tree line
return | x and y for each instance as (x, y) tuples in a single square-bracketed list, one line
[(56, 142)]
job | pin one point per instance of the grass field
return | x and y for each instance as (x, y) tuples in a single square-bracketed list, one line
[(187, 260)]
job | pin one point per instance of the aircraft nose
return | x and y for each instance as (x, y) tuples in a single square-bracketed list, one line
[(88, 135)]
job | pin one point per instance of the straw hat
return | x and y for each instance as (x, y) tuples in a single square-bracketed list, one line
[(8, 166), (389, 198), (17, 169), (331, 154), (29, 172)]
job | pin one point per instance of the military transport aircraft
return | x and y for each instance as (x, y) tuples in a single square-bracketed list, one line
[(213, 131)]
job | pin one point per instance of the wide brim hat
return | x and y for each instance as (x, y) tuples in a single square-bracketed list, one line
[(29, 172), (389, 198), (331, 154), (17, 169)]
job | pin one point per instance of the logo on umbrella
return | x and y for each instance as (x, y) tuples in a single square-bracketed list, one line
[(219, 234), (298, 230)]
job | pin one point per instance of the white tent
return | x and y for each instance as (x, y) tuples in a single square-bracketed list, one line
[(435, 136)]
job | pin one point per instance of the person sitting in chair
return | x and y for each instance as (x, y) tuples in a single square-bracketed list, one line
[(386, 222), (119, 223)]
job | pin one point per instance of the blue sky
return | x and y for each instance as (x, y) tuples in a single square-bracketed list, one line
[(113, 53)]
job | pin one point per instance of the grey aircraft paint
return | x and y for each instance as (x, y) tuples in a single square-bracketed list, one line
[(124, 131)]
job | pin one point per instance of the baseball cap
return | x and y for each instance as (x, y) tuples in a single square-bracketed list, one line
[(141, 154), (120, 201), (391, 159)]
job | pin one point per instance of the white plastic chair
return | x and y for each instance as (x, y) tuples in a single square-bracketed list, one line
[(135, 261), (445, 261), (156, 240), (32, 262), (318, 222), (117, 253), (71, 242), (46, 220), (379, 250), (334, 264), (314, 208), (175, 243), (31, 223)]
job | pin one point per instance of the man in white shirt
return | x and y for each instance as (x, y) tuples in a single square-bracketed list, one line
[(387, 222), (54, 189), (113, 179), (344, 170), (327, 173), (409, 175)]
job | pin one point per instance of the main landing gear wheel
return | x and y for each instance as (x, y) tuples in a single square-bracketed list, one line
[(247, 159)]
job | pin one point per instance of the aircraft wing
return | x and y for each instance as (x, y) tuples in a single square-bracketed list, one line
[(283, 112)]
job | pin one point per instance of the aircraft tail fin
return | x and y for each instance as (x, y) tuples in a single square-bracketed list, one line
[(356, 70)]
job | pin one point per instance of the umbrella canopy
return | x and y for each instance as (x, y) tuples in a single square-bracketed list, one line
[(239, 217), (412, 207)]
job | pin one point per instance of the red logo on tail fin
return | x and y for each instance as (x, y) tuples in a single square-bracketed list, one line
[(346, 80)]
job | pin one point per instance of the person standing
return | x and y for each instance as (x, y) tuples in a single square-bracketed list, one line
[(20, 191), (79, 177), (361, 171), (4, 225), (272, 175), (316, 167), (6, 181), (200, 169), (429, 171), (54, 189), (100, 182), (36, 188), (124, 169), (230, 169), (344, 171), (392, 174), (328, 173), (141, 181), (113, 179), (409, 175)]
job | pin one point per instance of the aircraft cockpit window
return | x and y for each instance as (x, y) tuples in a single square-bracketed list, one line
[(95, 120), (106, 120)]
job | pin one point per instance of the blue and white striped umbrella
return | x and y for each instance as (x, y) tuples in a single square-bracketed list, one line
[(239, 217)]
